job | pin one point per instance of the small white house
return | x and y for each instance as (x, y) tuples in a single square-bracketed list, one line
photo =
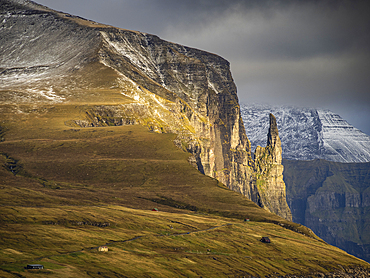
[(103, 249)]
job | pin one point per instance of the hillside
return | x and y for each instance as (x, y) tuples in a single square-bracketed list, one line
[(66, 191), (101, 125), (307, 133), (49, 56), (333, 199)]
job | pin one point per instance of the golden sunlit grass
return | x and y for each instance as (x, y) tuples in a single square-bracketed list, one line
[(160, 244), (66, 190)]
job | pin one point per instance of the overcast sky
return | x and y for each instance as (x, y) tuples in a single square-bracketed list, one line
[(308, 53)]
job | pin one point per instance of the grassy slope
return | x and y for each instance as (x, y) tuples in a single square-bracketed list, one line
[(75, 189)]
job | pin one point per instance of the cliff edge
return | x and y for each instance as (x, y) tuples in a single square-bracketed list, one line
[(49, 57)]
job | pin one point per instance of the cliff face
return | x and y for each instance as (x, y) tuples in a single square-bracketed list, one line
[(188, 92), (50, 57), (333, 200), (269, 173)]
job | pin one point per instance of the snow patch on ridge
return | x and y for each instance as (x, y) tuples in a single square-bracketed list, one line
[(307, 133), (343, 140), (122, 46), (48, 94), (212, 86)]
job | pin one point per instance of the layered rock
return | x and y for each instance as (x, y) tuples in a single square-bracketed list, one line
[(188, 92), (50, 57), (308, 133), (269, 173), (333, 200)]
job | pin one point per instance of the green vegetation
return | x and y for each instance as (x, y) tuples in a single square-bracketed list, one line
[(67, 190), (333, 200)]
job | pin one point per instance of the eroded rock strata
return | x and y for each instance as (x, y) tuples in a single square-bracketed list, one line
[(269, 173), (48, 56), (332, 199)]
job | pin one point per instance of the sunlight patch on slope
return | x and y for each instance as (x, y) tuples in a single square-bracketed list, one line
[(47, 94)]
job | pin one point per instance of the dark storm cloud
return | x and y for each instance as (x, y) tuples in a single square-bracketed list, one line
[(271, 28), (308, 53)]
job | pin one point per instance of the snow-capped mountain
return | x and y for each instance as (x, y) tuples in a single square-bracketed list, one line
[(307, 133)]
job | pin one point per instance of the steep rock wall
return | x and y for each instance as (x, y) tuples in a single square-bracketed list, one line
[(333, 200), (198, 90), (269, 173), (169, 87)]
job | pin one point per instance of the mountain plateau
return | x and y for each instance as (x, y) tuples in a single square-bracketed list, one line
[(52, 57), (89, 117)]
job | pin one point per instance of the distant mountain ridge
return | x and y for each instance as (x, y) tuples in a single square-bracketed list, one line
[(307, 133), (78, 170)]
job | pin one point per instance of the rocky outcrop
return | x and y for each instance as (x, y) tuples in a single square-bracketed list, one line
[(333, 200), (188, 92), (269, 174), (55, 57), (308, 133)]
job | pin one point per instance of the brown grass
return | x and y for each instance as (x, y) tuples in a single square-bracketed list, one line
[(74, 189)]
